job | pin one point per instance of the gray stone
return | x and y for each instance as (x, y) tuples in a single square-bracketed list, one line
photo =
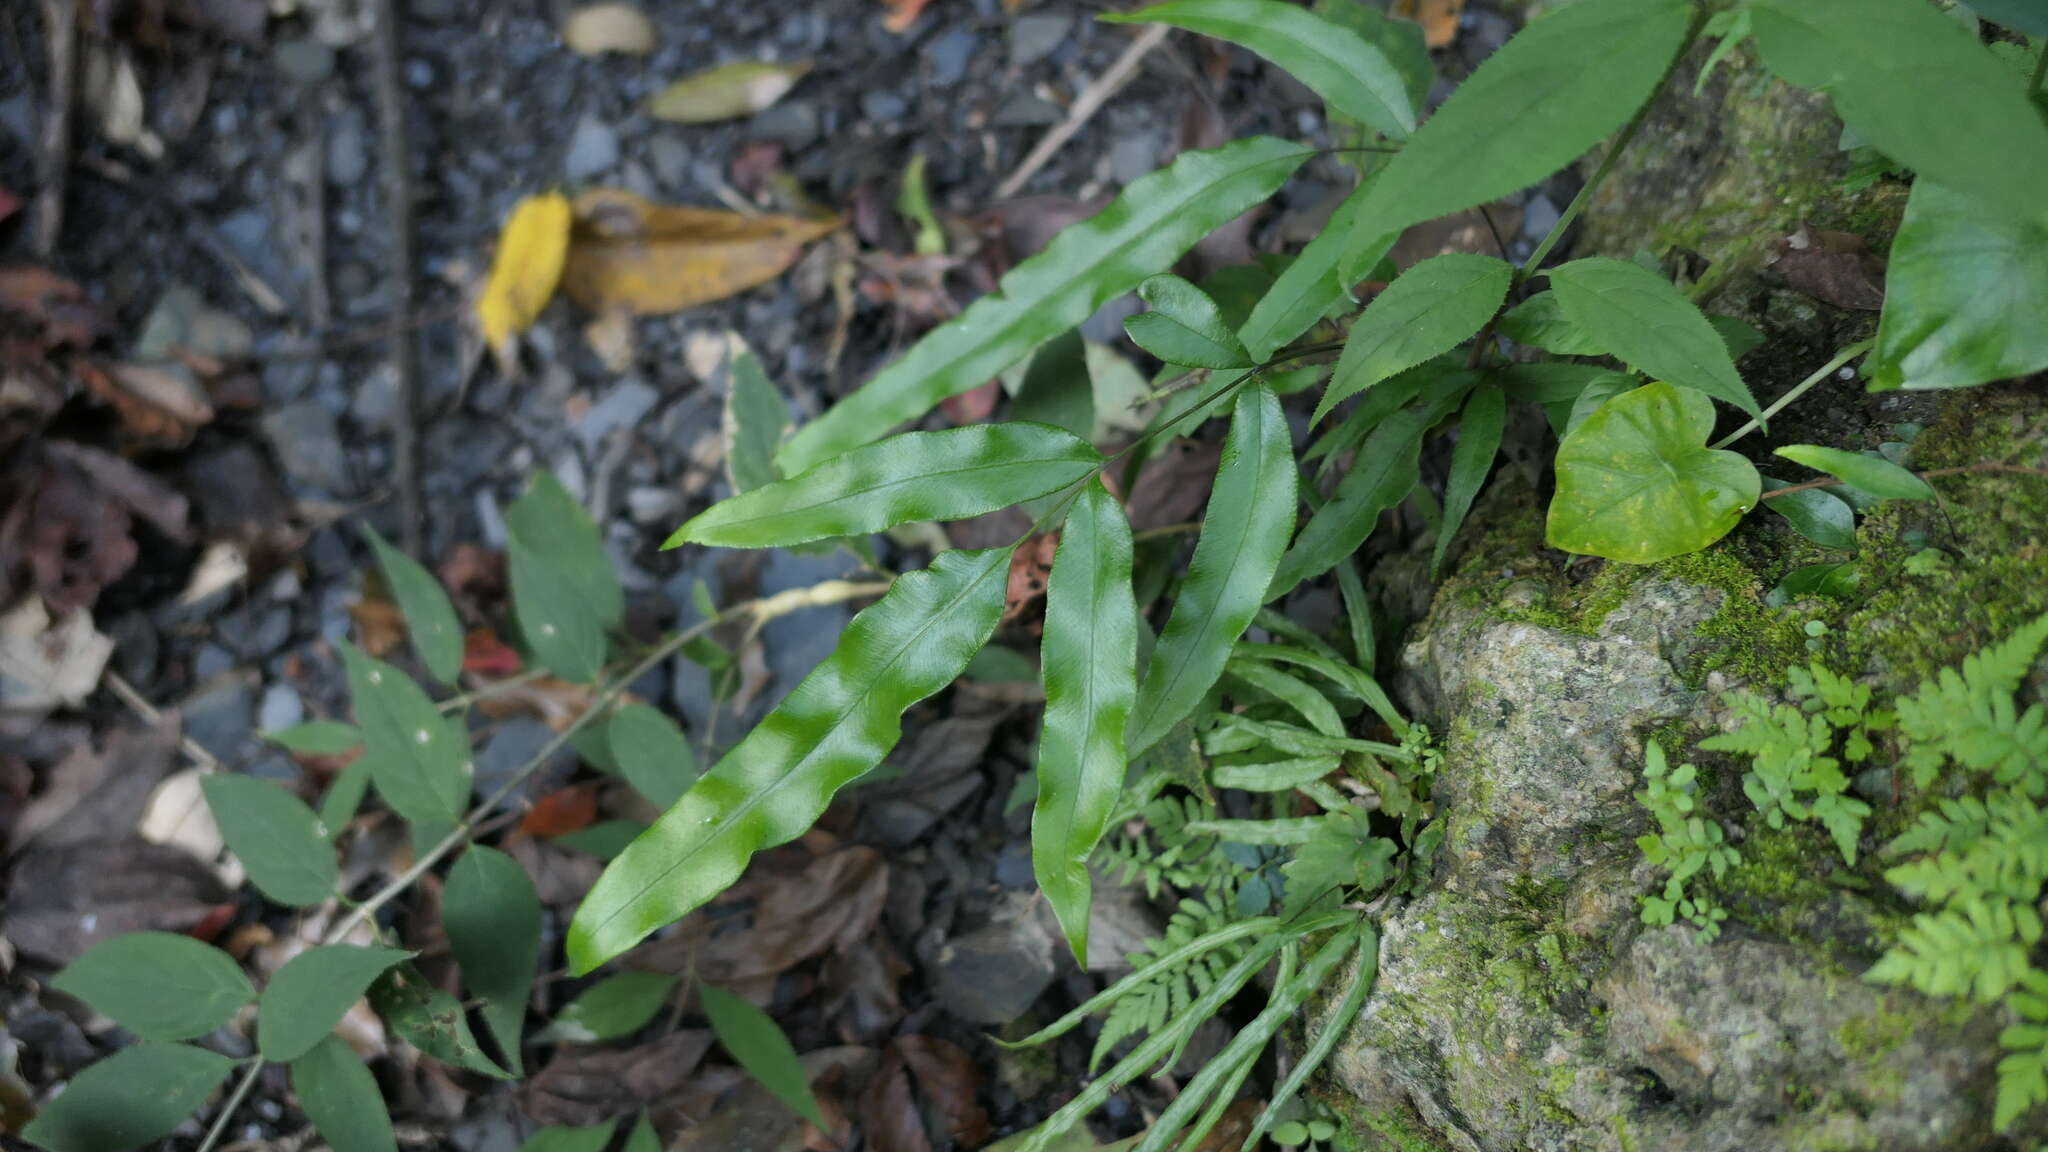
[(670, 159), (211, 661), (307, 439), (1034, 35), (1539, 216), (593, 150), (221, 719), (306, 61), (1013, 866), (256, 631), (509, 747), (1024, 110), (626, 404), (994, 974), (375, 398), (281, 708), (794, 122), (948, 56), (1133, 155), (882, 105), (348, 153)]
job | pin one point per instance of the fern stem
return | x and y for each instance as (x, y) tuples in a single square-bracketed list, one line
[(1607, 162)]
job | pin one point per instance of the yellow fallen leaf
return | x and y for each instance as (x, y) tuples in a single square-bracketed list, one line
[(727, 91), (637, 256), (531, 252), (595, 29)]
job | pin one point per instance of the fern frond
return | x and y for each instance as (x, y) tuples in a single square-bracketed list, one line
[(2007, 857), (1165, 995), (1975, 948), (1952, 827), (1969, 716)]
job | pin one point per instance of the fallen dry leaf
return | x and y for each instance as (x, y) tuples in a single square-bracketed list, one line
[(596, 29), (1833, 267), (590, 1086), (863, 985), (888, 1112), (972, 406), (1439, 18), (560, 812), (1030, 567), (647, 258), (160, 406), (64, 900), (551, 700), (44, 665), (380, 625), (948, 1080), (726, 92), (531, 252), (108, 84), (220, 567), (1174, 485), (486, 655), (93, 790), (59, 307), (1236, 1124), (1466, 231), (611, 339), (902, 14), (67, 516)]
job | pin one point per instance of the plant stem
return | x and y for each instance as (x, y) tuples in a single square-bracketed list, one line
[(1800, 389), (2040, 72), (479, 818), (1988, 466), (1607, 162)]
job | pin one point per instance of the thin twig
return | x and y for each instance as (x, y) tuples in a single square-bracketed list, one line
[(1085, 107), (396, 163), (1931, 474), (60, 18)]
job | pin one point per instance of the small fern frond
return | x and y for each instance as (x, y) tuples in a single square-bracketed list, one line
[(1975, 948)]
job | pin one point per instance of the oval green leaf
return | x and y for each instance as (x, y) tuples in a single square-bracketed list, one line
[(317, 737), (344, 796), (129, 1099), (613, 1007), (1427, 311), (1646, 322), (1872, 474), (158, 985), (1964, 295), (310, 994), (278, 839), (1143, 231), (1815, 513), (1637, 483), (341, 1098), (1352, 76), (1561, 86), (829, 731), (565, 593), (418, 765), (951, 475), (756, 416), (1089, 664), (430, 1020), (492, 917), (1249, 518), (750, 1037), (429, 617), (1184, 326), (563, 1139), (652, 753)]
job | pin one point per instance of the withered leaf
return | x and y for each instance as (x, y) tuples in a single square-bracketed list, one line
[(596, 29), (1833, 267), (741, 88), (1439, 18), (589, 1086), (1175, 484), (531, 251), (647, 258), (64, 900), (948, 1081)]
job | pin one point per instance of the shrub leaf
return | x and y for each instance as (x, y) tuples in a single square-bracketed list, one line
[(1964, 295), (429, 617), (492, 916), (129, 1099), (1184, 326), (158, 985), (1873, 474), (1646, 322), (750, 1037), (1427, 311), (308, 996), (277, 838), (341, 1098), (414, 757)]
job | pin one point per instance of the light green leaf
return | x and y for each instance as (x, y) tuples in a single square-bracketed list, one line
[(756, 417), (1334, 1028), (1427, 311), (652, 754), (1056, 389), (604, 839), (429, 617), (832, 729), (317, 737), (309, 995), (750, 1037), (1310, 286), (1479, 433), (1964, 295), (491, 914), (1402, 41), (1740, 336), (1873, 474), (1539, 322), (1184, 326), (1353, 77), (565, 595), (1275, 775), (344, 796), (1382, 476), (726, 91), (1089, 659), (1561, 86), (1918, 87), (1248, 672), (1637, 483), (158, 985), (1646, 322), (137, 1095), (1250, 515), (430, 1020), (643, 1138), (564, 1139), (613, 1007), (418, 765), (1817, 514), (1146, 229), (341, 1098), (277, 838), (951, 475)]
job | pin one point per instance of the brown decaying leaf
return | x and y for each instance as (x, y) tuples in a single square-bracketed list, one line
[(62, 901), (92, 790), (948, 1081), (69, 513), (589, 1086), (902, 14), (1833, 267), (1235, 1125), (159, 406), (1174, 485), (647, 258), (551, 700), (45, 664), (380, 625), (862, 982), (560, 812), (59, 307), (1030, 567), (889, 1121), (1465, 231), (831, 904), (972, 406), (1439, 18)]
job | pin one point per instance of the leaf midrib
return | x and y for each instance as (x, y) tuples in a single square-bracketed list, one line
[(854, 494)]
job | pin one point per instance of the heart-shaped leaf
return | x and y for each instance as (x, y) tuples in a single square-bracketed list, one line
[(1637, 483)]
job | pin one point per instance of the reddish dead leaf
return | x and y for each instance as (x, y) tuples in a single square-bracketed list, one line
[(1174, 485), (1439, 18), (55, 305), (862, 982), (380, 625), (948, 1081), (67, 526), (902, 14), (590, 1086), (1030, 567), (888, 1112), (475, 578), (486, 655), (972, 406), (9, 203), (560, 812), (554, 702), (159, 407), (1833, 267)]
